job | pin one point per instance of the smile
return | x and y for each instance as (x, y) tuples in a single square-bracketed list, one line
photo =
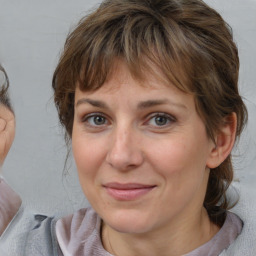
[(127, 192)]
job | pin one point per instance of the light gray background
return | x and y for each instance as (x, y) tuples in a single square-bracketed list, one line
[(32, 34)]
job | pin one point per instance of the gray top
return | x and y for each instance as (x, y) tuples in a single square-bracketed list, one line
[(231, 228), (79, 234)]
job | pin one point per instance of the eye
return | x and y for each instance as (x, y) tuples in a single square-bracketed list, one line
[(160, 120), (95, 120)]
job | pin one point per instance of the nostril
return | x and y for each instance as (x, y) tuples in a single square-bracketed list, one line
[(125, 159)]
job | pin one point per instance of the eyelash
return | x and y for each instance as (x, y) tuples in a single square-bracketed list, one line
[(92, 116), (169, 119)]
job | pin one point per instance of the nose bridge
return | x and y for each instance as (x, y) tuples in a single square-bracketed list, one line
[(125, 151)]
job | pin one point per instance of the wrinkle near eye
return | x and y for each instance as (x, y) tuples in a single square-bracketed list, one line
[(160, 119), (96, 120)]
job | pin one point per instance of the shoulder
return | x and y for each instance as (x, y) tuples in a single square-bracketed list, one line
[(41, 239), (79, 233), (77, 221), (10, 203), (245, 243), (14, 238)]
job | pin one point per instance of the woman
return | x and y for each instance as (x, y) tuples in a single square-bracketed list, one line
[(10, 202), (147, 92)]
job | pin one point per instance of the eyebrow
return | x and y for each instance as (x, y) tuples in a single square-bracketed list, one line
[(95, 103), (152, 103), (141, 105)]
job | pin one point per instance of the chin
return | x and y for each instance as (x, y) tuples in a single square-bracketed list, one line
[(128, 221)]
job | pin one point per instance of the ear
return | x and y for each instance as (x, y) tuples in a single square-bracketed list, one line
[(7, 131), (224, 142)]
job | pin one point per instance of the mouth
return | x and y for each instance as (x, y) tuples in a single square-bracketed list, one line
[(127, 191)]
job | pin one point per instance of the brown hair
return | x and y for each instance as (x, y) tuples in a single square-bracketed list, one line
[(4, 97), (186, 39)]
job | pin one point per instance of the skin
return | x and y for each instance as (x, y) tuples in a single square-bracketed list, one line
[(10, 201), (7, 131), (149, 133)]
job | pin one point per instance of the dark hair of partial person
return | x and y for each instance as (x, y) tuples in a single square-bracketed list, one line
[(186, 39), (4, 97)]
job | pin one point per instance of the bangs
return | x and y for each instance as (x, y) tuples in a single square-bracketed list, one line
[(141, 40)]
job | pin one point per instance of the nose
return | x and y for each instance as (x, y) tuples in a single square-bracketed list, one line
[(125, 151)]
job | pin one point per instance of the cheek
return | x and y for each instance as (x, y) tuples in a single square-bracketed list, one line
[(88, 154), (183, 174), (87, 158), (176, 155), (180, 161)]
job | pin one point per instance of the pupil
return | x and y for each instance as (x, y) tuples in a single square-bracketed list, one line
[(99, 120), (160, 120)]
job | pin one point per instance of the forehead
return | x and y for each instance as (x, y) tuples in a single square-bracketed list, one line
[(122, 87), (120, 74)]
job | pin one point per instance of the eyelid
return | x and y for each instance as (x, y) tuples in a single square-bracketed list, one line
[(86, 123), (170, 117), (86, 116), (154, 114)]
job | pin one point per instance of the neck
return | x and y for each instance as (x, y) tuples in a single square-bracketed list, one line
[(177, 239)]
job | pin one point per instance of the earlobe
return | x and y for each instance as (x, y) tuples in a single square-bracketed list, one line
[(224, 142)]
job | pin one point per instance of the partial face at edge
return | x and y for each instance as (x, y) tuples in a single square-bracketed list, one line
[(7, 131), (141, 152)]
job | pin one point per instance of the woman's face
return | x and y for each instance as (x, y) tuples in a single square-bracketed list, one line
[(141, 152)]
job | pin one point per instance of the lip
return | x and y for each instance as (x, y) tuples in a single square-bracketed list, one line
[(127, 191)]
